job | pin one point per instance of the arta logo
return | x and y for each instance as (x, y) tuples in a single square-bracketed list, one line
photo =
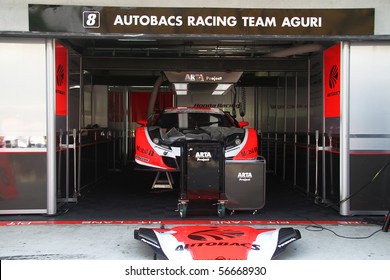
[(214, 234), (194, 78), (60, 76), (333, 76), (244, 176), (203, 156)]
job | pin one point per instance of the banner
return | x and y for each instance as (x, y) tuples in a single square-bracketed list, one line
[(332, 82), (61, 80), (203, 21), (140, 102)]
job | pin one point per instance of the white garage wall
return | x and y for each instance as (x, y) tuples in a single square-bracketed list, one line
[(23, 87), (370, 96)]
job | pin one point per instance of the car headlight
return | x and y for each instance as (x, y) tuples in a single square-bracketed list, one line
[(155, 136), (234, 140)]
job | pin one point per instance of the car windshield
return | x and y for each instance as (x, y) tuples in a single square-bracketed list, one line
[(188, 120)]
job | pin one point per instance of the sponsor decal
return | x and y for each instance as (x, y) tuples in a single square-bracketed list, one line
[(214, 234), (141, 158), (244, 176), (189, 246), (194, 78), (216, 237), (217, 105), (248, 152), (214, 78), (198, 77), (60, 77), (145, 151), (203, 156), (333, 76)]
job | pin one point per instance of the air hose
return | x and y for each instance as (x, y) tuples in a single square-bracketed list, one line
[(243, 102)]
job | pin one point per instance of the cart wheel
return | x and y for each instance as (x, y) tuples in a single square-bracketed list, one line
[(183, 210), (221, 210)]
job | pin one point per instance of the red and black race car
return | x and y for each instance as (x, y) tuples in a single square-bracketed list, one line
[(158, 142)]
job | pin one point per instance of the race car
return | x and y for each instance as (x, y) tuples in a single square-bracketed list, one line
[(159, 143), (217, 242)]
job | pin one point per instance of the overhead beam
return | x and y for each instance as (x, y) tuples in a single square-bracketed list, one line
[(194, 64), (150, 80)]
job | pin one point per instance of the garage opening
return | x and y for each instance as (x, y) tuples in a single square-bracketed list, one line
[(108, 67), (279, 94)]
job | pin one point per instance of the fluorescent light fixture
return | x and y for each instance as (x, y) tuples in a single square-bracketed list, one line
[(235, 41), (181, 88), (223, 86), (135, 38), (221, 89), (144, 87), (261, 74)]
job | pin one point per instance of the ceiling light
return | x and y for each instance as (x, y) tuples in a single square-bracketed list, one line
[(261, 74), (223, 86), (221, 89), (134, 38), (181, 88)]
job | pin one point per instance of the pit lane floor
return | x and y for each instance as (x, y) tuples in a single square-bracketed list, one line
[(114, 240), (101, 227)]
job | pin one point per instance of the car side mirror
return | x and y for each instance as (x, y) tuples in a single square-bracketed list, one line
[(142, 122), (243, 124)]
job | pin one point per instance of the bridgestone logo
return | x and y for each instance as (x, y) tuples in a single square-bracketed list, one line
[(333, 76), (244, 176), (60, 75)]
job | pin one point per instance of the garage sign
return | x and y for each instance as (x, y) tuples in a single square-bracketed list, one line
[(200, 21), (61, 80), (332, 82)]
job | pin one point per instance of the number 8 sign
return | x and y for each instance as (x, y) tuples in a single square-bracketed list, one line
[(91, 19)]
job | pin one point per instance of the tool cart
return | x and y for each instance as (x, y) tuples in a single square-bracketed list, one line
[(202, 176)]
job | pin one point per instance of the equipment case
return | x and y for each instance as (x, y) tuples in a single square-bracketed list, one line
[(245, 183)]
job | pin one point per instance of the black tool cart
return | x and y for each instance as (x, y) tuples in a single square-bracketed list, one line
[(202, 175)]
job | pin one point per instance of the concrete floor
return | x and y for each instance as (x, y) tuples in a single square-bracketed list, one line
[(109, 251), (116, 242)]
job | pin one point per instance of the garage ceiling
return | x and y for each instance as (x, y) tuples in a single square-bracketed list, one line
[(123, 61)]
